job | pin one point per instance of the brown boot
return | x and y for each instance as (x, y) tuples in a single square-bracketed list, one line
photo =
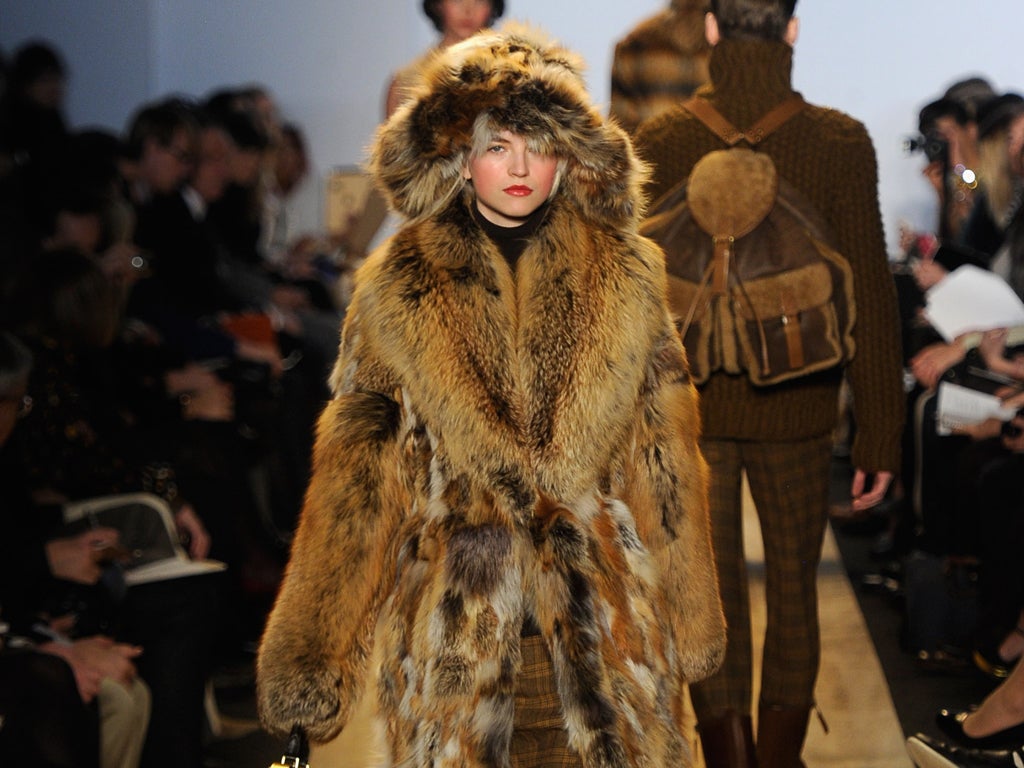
[(780, 735), (728, 741)]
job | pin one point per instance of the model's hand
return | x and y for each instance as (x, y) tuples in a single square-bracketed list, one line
[(863, 497)]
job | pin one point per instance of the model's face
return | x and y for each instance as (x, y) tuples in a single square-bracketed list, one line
[(510, 181), (462, 18)]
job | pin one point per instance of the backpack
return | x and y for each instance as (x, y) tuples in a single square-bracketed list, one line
[(753, 281)]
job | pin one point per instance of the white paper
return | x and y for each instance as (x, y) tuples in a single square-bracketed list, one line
[(961, 406), (972, 299)]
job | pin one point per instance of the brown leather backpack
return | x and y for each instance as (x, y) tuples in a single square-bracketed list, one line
[(753, 281)]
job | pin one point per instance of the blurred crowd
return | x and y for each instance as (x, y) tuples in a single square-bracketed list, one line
[(166, 331)]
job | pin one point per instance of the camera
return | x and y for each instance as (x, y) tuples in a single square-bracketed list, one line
[(932, 144)]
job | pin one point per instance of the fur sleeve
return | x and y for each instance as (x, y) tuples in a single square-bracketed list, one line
[(667, 487), (314, 653)]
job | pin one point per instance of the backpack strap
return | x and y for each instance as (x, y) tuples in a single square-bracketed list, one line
[(755, 134)]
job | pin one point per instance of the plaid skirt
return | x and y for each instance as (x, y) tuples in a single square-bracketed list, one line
[(538, 734)]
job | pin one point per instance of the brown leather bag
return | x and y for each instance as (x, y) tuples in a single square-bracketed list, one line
[(753, 281)]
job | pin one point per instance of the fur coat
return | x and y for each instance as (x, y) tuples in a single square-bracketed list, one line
[(501, 448)]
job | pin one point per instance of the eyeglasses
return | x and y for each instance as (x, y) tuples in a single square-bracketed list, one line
[(24, 404)]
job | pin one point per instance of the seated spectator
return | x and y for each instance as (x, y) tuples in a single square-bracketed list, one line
[(33, 129), (962, 485), (79, 442), (63, 701), (991, 734)]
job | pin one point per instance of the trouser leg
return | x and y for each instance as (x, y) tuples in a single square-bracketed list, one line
[(789, 485), (729, 689)]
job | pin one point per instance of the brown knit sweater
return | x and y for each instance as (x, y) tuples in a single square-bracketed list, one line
[(829, 157)]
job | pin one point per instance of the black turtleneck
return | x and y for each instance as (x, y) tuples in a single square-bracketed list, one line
[(511, 241)]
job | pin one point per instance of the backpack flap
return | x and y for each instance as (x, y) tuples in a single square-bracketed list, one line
[(793, 304), (728, 211)]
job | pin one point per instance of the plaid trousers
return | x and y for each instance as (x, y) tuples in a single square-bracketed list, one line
[(789, 483), (538, 733)]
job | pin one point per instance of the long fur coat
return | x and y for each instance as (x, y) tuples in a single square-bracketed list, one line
[(502, 447)]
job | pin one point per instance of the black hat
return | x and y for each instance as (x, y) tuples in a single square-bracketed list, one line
[(971, 93), (996, 113)]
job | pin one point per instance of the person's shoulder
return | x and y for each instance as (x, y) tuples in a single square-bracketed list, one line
[(676, 28), (665, 126), (836, 124)]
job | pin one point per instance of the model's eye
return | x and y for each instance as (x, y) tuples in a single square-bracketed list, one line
[(496, 148)]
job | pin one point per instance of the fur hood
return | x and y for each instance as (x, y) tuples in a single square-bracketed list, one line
[(522, 82)]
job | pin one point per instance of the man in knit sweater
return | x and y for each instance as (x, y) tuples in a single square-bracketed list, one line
[(780, 435)]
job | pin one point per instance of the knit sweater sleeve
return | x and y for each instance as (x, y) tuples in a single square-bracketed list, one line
[(874, 374)]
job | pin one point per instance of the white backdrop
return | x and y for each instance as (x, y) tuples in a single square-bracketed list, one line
[(327, 61)]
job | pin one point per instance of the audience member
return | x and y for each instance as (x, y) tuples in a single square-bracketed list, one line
[(455, 20), (78, 442), (989, 735), (63, 701), (659, 63)]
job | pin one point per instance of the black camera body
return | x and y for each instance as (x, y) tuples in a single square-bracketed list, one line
[(935, 147)]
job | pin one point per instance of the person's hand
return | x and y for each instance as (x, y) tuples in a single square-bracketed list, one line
[(112, 659), (94, 658), (934, 173), (213, 403), (930, 363), (289, 298), (992, 346), (81, 558), (983, 430), (928, 273), (863, 496), (261, 353), (190, 526), (123, 263), (191, 377)]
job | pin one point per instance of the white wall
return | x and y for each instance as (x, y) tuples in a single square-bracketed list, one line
[(328, 61)]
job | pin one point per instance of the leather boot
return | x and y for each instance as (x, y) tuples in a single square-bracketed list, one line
[(728, 741), (780, 735)]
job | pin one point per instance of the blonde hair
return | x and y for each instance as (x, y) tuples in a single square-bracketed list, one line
[(994, 175)]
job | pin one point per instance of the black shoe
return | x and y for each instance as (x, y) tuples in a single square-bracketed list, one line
[(952, 724), (927, 752)]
